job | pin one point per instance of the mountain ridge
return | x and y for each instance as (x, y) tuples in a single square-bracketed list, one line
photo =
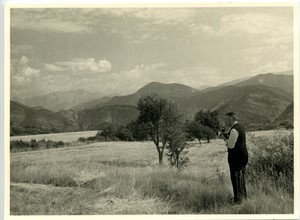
[(61, 100), (257, 103)]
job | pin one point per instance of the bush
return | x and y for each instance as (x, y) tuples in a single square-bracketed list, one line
[(124, 134), (91, 138), (177, 149), (19, 145), (272, 159), (81, 139)]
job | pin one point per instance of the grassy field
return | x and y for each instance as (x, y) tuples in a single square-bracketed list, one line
[(125, 178)]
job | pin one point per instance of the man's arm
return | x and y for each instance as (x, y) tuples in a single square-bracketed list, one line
[(230, 142)]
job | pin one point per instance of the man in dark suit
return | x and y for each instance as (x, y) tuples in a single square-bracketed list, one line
[(237, 156)]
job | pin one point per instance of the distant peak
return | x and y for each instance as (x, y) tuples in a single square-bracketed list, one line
[(154, 83)]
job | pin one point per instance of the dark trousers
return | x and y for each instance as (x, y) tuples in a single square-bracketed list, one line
[(237, 176)]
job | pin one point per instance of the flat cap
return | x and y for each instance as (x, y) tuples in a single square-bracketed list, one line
[(230, 114)]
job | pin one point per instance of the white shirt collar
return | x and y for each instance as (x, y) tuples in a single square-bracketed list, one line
[(234, 123)]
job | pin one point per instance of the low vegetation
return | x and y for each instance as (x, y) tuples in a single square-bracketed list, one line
[(125, 178), (272, 161), (19, 145)]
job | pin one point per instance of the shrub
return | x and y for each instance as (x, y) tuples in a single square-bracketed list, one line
[(177, 149), (91, 138), (19, 145), (272, 159), (124, 134), (81, 139), (108, 133)]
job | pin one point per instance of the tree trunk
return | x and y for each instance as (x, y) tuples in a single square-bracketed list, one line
[(160, 157), (199, 141), (207, 139), (177, 160)]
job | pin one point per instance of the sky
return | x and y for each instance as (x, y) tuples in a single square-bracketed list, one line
[(119, 50)]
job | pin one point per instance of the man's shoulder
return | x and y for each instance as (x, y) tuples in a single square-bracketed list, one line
[(238, 127)]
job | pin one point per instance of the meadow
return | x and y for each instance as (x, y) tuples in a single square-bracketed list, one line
[(125, 178)]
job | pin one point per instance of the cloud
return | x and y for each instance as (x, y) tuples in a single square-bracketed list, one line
[(49, 20), (104, 66), (169, 16), (24, 60), (141, 21), (127, 82), (262, 57), (24, 70), (279, 66), (53, 67), (251, 23), (30, 72), (80, 65), (21, 48), (22, 75), (122, 82), (161, 16), (50, 25), (150, 23), (259, 28)]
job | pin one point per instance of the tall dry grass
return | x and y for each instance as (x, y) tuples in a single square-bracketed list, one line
[(102, 179)]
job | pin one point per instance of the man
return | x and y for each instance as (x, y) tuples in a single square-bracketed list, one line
[(237, 156)]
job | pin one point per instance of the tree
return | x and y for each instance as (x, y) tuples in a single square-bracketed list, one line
[(210, 122), (139, 131), (196, 130), (158, 117), (178, 148), (124, 134), (108, 132)]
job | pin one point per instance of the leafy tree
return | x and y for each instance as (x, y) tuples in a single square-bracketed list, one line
[(139, 131), (108, 132), (210, 123), (124, 134), (178, 149), (196, 130), (158, 117)]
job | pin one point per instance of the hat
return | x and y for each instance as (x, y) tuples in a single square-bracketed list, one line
[(230, 114)]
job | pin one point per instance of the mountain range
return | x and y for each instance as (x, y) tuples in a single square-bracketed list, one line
[(62, 100), (259, 101)]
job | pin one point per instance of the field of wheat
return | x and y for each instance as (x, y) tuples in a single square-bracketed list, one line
[(125, 178)]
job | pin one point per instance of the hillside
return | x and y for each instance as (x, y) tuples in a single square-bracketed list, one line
[(91, 104), (203, 87), (26, 120), (286, 119), (284, 82), (234, 82), (122, 100), (64, 100), (255, 105), (101, 117), (173, 91), (257, 101)]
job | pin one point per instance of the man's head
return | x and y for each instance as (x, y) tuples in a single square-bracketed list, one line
[(230, 119)]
